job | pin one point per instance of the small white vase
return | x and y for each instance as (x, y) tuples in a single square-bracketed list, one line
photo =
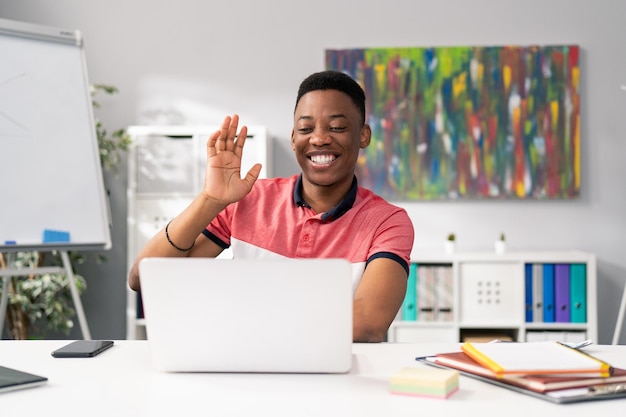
[(449, 246), (500, 246)]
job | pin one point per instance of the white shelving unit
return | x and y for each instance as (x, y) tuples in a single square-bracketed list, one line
[(488, 293), (166, 167)]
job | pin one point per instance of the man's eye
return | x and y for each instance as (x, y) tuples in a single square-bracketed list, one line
[(304, 130), (337, 128)]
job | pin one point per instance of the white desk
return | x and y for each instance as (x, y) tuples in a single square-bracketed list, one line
[(120, 382)]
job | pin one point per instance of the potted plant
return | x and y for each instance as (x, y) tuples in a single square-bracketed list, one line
[(111, 145), (38, 303), (450, 244), (500, 244), (42, 303)]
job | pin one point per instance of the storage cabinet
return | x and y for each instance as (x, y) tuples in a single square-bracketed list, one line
[(166, 166), (494, 296)]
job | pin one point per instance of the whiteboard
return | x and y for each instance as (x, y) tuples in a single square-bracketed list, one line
[(52, 193)]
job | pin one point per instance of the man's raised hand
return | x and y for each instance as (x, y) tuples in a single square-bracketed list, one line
[(222, 181)]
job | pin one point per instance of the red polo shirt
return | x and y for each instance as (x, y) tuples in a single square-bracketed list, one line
[(274, 221)]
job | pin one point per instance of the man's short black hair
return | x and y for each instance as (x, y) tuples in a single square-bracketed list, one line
[(334, 80)]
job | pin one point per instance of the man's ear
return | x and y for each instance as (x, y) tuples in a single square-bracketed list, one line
[(293, 139), (366, 136)]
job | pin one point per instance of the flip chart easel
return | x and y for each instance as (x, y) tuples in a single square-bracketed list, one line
[(6, 275), (53, 194), (50, 159)]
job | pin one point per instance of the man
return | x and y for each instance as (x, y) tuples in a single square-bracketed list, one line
[(321, 213)]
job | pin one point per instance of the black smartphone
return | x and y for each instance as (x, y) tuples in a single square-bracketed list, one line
[(82, 349)]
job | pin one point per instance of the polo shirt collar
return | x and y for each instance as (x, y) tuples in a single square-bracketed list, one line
[(334, 213)]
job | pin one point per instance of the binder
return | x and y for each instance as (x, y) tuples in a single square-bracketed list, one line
[(562, 293), (426, 293), (578, 293), (443, 280), (528, 281), (548, 293), (537, 293), (409, 308)]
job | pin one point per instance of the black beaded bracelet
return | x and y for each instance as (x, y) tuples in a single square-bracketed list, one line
[(167, 235)]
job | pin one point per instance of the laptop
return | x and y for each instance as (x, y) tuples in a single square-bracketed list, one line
[(270, 316), (13, 379)]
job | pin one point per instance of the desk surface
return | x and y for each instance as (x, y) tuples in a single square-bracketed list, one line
[(120, 381)]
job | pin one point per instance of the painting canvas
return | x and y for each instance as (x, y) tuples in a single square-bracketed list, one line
[(488, 122)]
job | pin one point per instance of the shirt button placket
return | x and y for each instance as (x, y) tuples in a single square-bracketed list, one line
[(305, 246)]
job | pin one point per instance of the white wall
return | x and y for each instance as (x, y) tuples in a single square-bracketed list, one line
[(193, 61)]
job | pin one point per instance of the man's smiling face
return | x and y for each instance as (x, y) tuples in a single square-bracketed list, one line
[(327, 136)]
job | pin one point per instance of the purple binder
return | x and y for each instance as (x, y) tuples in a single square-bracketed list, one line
[(562, 293)]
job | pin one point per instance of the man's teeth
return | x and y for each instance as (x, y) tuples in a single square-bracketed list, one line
[(322, 159)]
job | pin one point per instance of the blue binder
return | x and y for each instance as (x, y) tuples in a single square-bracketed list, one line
[(528, 274), (548, 293), (538, 302)]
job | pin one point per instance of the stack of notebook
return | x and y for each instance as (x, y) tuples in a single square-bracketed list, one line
[(547, 370)]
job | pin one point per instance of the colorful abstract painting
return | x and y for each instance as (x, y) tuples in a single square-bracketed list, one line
[(469, 122)]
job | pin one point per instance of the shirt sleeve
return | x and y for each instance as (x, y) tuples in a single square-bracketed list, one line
[(220, 227), (394, 239)]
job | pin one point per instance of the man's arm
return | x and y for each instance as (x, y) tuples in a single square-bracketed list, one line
[(223, 185), (378, 299), (184, 231)]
